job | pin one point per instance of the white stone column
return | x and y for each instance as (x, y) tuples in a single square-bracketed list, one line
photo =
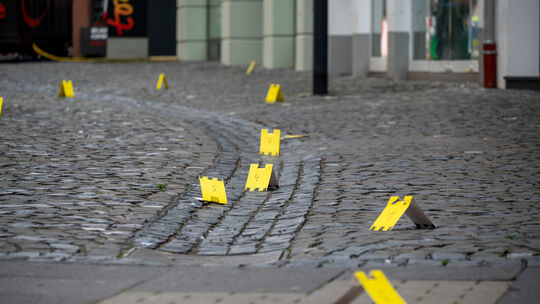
[(303, 58), (191, 30), (340, 28), (241, 31), (278, 33), (361, 45), (399, 28)]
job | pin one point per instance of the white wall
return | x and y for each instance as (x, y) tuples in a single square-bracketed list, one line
[(361, 19), (399, 15), (517, 37), (340, 18)]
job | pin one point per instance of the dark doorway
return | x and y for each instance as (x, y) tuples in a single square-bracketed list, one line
[(162, 28)]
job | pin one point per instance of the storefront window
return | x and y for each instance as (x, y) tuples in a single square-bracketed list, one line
[(445, 29), (379, 29)]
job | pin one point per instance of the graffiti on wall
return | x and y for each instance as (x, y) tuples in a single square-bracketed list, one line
[(33, 21), (126, 18), (122, 19)]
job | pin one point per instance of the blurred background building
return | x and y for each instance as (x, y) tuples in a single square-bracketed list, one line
[(402, 39)]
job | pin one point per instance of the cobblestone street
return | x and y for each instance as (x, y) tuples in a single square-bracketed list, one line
[(112, 173)]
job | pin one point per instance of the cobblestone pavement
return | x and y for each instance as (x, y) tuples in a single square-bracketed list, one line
[(82, 179)]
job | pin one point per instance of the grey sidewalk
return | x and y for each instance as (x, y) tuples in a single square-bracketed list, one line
[(86, 283)]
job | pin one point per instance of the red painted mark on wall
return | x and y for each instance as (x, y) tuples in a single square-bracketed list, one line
[(2, 11), (33, 22), (122, 12)]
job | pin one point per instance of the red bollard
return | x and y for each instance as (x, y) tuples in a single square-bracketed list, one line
[(490, 64)]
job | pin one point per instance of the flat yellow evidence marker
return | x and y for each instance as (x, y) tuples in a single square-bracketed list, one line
[(293, 136), (270, 142), (162, 81), (274, 94), (395, 209), (261, 178), (250, 67), (66, 89), (1, 100), (379, 288), (213, 190)]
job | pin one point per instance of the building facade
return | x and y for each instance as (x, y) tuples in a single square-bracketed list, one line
[(274, 33), (403, 39)]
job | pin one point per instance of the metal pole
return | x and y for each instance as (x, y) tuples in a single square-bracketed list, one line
[(489, 47), (489, 20), (320, 47)]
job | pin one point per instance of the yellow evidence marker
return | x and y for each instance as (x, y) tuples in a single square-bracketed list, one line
[(274, 94), (162, 81), (293, 136), (66, 89), (213, 190), (1, 100), (250, 67), (261, 178), (379, 288), (395, 209), (270, 142)]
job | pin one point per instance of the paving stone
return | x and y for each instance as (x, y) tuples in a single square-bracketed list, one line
[(76, 171)]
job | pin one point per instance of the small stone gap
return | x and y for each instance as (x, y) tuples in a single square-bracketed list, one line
[(325, 283), (204, 206), (340, 188), (269, 195), (315, 191), (196, 247), (298, 179), (175, 203)]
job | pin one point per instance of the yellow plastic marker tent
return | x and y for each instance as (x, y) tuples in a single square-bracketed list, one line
[(395, 209), (162, 81), (1, 100), (250, 67), (213, 190), (261, 178), (66, 89), (274, 94), (377, 286), (270, 142)]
